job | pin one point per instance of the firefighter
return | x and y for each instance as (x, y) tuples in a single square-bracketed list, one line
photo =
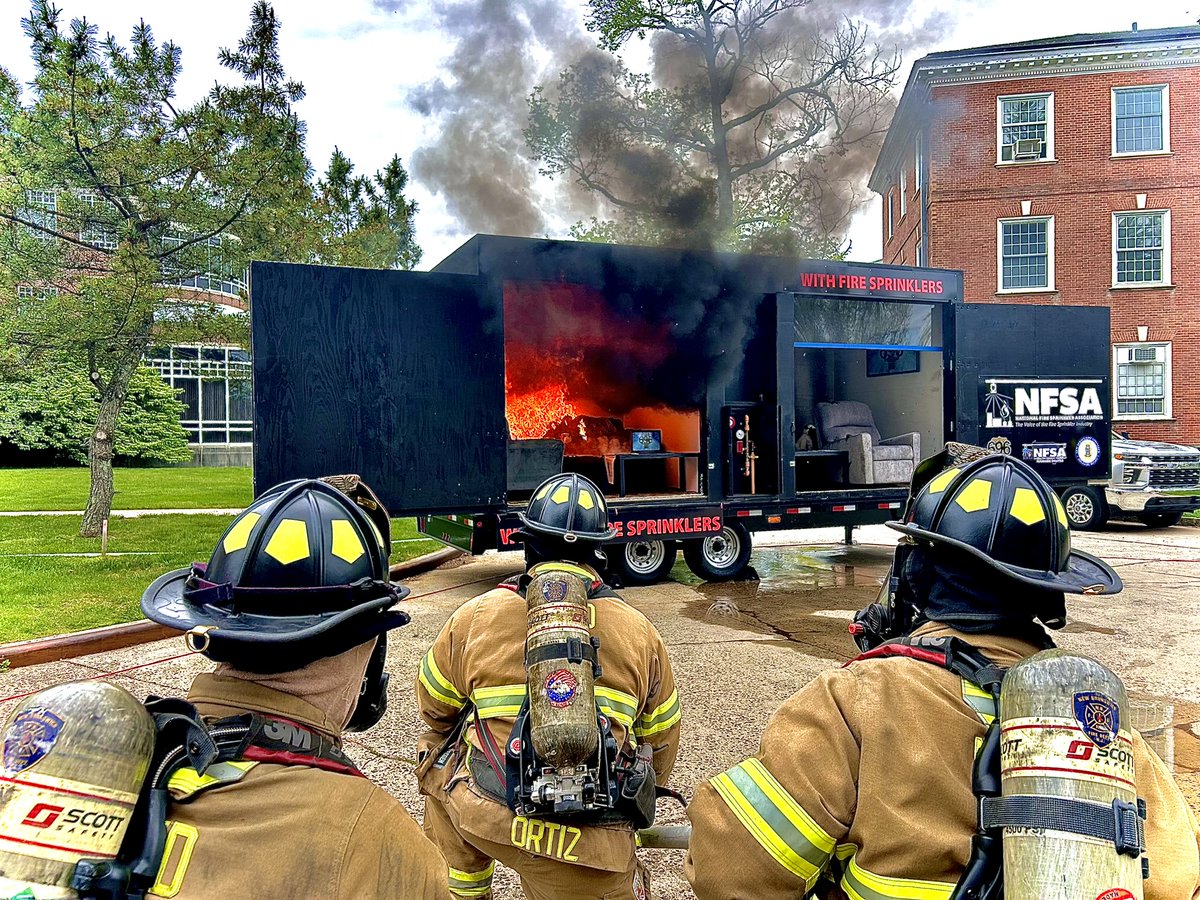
[(863, 778), (472, 687), (295, 607)]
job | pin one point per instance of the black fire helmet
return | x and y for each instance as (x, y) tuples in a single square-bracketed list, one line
[(1003, 513), (570, 508), (299, 576)]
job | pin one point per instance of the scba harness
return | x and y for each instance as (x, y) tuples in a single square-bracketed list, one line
[(1121, 823), (616, 784), (188, 760)]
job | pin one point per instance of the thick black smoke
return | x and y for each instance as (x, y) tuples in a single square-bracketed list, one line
[(503, 49)]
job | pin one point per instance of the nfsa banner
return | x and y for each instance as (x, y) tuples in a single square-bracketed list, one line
[(1060, 426)]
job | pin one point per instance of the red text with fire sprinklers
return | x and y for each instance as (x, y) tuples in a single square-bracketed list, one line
[(846, 282)]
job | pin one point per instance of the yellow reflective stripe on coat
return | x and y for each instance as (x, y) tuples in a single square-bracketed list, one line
[(503, 700), (660, 719), (859, 884), (439, 685), (979, 700), (775, 819), (187, 781), (617, 705), (471, 884)]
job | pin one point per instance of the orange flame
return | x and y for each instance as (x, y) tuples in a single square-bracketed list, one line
[(530, 414)]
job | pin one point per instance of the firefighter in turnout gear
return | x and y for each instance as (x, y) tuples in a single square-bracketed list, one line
[(295, 607), (862, 786), (477, 682)]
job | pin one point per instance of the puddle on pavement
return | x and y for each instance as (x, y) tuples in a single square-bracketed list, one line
[(804, 597)]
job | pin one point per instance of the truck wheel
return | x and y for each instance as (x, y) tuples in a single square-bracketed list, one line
[(1086, 507), (642, 562), (719, 557), (1160, 520)]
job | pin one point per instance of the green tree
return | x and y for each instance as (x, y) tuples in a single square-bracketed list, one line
[(750, 137), (365, 221), (50, 407), (112, 194)]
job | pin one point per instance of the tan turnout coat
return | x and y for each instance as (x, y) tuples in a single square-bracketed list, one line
[(865, 775)]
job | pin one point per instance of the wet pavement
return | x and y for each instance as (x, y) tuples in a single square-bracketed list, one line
[(740, 649)]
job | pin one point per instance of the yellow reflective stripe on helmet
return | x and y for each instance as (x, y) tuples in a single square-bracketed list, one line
[(775, 819), (665, 716), (859, 884), (187, 781), (503, 700), (289, 543), (471, 884), (438, 685), (617, 705), (979, 700)]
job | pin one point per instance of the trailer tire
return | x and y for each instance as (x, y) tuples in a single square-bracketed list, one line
[(1160, 520), (642, 562), (719, 557), (1086, 507)]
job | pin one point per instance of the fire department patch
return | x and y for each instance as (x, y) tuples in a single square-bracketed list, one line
[(560, 688), (1116, 894), (1098, 716), (554, 591), (29, 738)]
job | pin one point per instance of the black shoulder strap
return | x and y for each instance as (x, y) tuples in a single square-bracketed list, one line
[(950, 653)]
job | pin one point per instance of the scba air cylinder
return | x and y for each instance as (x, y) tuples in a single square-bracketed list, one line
[(1065, 733), (74, 759), (562, 699)]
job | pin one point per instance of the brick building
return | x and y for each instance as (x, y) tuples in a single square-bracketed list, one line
[(1061, 171)]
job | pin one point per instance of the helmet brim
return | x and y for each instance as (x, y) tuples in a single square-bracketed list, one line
[(164, 602), (536, 530), (1085, 574)]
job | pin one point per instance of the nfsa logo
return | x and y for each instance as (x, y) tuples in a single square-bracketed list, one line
[(42, 815), (1049, 401)]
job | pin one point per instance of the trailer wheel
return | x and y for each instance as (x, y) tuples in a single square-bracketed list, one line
[(1160, 520), (1086, 507), (642, 562), (719, 557)]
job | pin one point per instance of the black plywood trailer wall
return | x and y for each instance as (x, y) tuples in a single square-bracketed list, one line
[(395, 376)]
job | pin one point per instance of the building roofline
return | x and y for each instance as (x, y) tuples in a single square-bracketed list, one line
[(1064, 54)]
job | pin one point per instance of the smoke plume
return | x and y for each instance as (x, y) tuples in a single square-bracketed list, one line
[(503, 48)]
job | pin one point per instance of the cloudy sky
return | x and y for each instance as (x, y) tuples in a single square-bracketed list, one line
[(381, 75)]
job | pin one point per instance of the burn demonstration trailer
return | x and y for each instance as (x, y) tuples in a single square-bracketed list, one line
[(710, 395)]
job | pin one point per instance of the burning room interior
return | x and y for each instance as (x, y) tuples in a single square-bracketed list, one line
[(594, 377)]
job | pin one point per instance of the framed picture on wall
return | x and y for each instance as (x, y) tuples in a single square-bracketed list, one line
[(892, 362)]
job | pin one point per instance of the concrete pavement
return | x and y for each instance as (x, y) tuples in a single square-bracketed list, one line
[(740, 649)]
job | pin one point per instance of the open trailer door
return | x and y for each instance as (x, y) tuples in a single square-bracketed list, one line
[(395, 376), (1033, 381)]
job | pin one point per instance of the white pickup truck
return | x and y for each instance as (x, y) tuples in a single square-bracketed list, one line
[(1152, 482)]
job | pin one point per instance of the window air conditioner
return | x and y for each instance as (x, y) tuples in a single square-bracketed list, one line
[(1027, 149)]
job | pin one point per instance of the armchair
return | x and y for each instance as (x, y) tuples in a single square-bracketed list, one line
[(849, 425)]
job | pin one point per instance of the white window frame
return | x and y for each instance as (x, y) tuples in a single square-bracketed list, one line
[(1166, 267), (890, 223), (903, 191), (917, 163), (1131, 417), (1000, 223), (1049, 95), (1166, 119)]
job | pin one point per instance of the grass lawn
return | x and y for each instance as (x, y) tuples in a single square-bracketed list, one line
[(136, 488), (42, 595)]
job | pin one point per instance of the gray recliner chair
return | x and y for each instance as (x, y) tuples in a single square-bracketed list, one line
[(849, 425)]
